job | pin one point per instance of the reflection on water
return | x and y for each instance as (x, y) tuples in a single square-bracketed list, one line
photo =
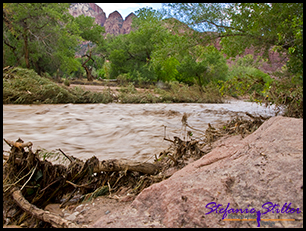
[(133, 131)]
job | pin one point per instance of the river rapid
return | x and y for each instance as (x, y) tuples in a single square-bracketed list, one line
[(107, 131)]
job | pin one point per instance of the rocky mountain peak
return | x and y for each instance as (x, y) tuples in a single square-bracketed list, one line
[(115, 14), (113, 24), (130, 16)]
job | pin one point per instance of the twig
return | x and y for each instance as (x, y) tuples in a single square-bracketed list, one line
[(78, 186), (29, 177), (248, 114), (68, 157), (49, 185), (169, 140), (17, 181), (5, 157), (4, 68)]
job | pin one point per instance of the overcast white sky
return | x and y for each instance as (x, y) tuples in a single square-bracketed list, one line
[(125, 8)]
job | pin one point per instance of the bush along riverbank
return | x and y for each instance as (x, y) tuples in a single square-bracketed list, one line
[(24, 86)]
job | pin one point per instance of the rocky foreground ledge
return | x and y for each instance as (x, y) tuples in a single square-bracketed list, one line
[(260, 174)]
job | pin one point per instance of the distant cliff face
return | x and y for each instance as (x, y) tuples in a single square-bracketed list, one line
[(88, 9), (126, 26), (114, 24)]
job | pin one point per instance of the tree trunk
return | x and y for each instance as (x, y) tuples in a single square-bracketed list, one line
[(88, 70), (88, 73), (200, 83), (58, 78), (26, 50)]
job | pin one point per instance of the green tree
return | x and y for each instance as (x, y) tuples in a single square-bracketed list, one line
[(44, 36), (242, 25), (36, 35), (132, 53)]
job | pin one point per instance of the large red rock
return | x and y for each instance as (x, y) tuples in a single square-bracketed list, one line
[(266, 166)]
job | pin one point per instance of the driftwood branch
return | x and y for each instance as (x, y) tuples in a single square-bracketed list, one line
[(18, 144), (55, 220), (124, 165), (68, 157)]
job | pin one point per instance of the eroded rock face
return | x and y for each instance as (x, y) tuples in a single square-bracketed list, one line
[(266, 166), (127, 24), (113, 23), (88, 9)]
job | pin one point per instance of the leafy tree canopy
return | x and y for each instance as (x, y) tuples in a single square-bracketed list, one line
[(242, 25), (44, 36)]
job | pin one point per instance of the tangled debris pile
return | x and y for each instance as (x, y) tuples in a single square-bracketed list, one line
[(32, 183)]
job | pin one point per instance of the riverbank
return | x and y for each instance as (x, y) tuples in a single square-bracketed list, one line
[(235, 168), (238, 173), (23, 86)]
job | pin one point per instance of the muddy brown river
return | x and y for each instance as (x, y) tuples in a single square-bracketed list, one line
[(132, 131)]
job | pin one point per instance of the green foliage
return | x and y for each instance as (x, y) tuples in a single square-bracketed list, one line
[(206, 64), (244, 78), (180, 93), (35, 35), (166, 70), (45, 37), (88, 30), (152, 53), (27, 87), (286, 93), (66, 82), (242, 25)]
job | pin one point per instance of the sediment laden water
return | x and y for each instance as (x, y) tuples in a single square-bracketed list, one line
[(133, 131)]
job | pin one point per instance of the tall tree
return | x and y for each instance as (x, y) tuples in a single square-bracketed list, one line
[(32, 32), (241, 25), (92, 33), (44, 36)]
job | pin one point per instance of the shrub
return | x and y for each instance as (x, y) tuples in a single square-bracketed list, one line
[(287, 93), (66, 82)]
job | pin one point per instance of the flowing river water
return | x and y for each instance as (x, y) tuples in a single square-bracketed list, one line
[(131, 131)]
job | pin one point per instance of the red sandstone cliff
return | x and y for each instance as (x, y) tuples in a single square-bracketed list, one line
[(88, 9), (114, 23)]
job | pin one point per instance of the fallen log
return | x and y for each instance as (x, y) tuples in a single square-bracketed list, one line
[(124, 165), (55, 220)]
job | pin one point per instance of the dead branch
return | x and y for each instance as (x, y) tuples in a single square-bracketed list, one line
[(68, 157), (17, 144), (55, 220), (124, 165), (78, 186)]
